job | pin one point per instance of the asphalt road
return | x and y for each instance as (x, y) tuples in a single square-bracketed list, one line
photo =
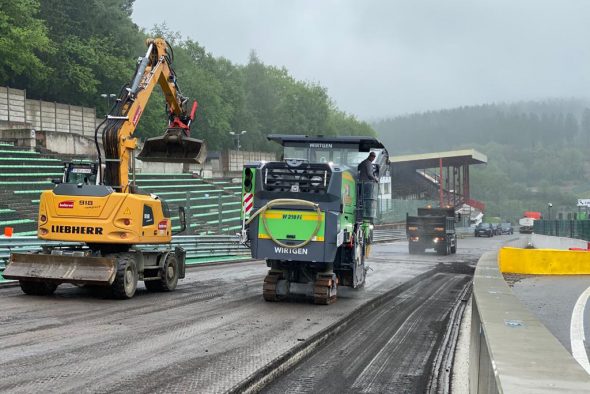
[(215, 330), (391, 350), (553, 299)]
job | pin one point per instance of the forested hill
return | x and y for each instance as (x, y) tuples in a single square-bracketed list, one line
[(526, 124), (71, 52), (537, 151)]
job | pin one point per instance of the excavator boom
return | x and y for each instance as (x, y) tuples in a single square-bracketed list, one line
[(176, 145)]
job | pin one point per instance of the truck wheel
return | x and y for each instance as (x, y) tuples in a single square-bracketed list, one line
[(454, 247), (444, 249), (37, 288), (125, 282), (168, 276)]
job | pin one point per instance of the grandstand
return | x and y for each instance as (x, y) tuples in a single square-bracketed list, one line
[(213, 205)]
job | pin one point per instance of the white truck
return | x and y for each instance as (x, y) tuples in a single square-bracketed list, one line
[(526, 225)]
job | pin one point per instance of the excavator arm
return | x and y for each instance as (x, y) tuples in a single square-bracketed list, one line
[(120, 125)]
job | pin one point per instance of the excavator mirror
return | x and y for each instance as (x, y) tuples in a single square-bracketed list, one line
[(173, 147)]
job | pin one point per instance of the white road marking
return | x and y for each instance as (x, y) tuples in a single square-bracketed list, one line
[(577, 336)]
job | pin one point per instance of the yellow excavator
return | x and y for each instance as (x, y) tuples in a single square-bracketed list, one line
[(103, 211)]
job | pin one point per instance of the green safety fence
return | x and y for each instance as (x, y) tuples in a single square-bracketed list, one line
[(579, 229)]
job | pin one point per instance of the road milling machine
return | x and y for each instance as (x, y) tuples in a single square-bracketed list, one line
[(309, 216), (99, 209)]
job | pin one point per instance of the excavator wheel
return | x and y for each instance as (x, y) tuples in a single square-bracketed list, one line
[(168, 277), (125, 283), (37, 288), (325, 289)]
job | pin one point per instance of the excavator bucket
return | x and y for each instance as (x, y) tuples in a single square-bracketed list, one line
[(61, 269), (174, 147)]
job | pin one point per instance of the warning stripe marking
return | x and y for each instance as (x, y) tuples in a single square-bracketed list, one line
[(248, 202)]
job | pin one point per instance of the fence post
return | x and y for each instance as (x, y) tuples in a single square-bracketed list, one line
[(219, 213), (187, 212)]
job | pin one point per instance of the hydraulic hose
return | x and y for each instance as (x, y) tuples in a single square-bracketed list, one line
[(288, 201)]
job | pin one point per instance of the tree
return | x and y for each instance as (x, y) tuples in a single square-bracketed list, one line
[(23, 42)]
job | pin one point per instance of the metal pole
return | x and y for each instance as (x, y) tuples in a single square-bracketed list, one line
[(455, 174), (187, 212), (219, 213), (8, 101), (466, 182), (448, 186), (440, 182)]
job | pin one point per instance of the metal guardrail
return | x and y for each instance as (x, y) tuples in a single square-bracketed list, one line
[(388, 235)]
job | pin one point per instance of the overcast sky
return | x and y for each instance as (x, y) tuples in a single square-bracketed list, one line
[(381, 58)]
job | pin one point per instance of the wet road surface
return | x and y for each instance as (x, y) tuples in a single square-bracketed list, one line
[(215, 330)]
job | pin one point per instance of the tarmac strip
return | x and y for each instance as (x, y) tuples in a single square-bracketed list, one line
[(405, 311)]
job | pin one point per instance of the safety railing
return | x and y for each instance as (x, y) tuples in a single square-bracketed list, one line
[(388, 235)]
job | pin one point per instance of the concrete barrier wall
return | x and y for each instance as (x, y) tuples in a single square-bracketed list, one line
[(537, 254), (510, 350), (233, 161), (16, 111), (540, 241), (544, 261)]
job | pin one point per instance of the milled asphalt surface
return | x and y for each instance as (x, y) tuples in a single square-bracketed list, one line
[(390, 350), (208, 336)]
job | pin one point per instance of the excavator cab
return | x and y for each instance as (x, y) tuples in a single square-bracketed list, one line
[(176, 145), (81, 173)]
